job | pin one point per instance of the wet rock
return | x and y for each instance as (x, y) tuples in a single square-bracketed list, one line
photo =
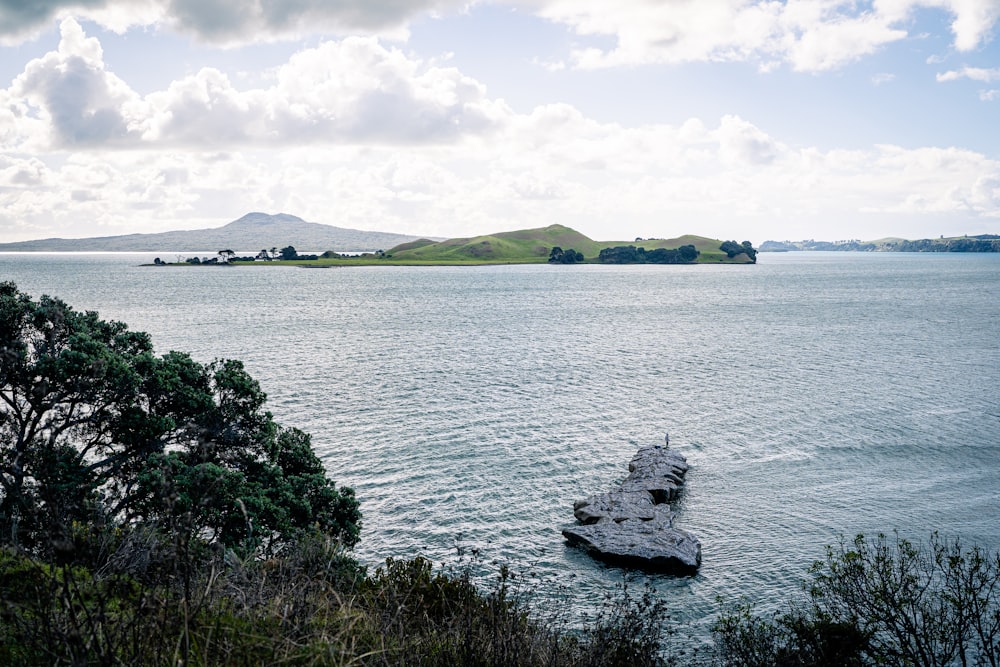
[(633, 525), (649, 545), (658, 470), (615, 505)]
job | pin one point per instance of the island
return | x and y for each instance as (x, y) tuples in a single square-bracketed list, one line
[(555, 244)]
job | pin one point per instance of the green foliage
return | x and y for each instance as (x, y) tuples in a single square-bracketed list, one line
[(792, 639), (685, 254), (983, 243), (311, 606), (96, 429), (288, 253), (880, 602), (732, 248), (559, 256), (628, 630)]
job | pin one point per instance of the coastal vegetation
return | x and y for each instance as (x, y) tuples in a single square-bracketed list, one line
[(880, 601), (734, 249), (152, 512), (569, 256), (95, 429), (686, 254)]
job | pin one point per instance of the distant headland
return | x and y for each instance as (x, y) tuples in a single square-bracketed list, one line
[(250, 232), (981, 243)]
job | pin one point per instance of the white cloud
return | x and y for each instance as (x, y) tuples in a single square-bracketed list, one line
[(974, 73), (991, 95), (69, 94), (553, 165), (223, 21), (356, 134), (352, 91), (810, 35), (882, 78), (742, 143), (21, 174)]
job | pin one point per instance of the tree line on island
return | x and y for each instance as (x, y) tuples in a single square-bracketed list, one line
[(153, 512), (630, 254), (286, 254)]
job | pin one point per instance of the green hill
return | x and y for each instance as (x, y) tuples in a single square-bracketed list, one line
[(529, 245), (534, 245)]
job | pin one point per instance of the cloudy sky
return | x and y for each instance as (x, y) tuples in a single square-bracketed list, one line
[(745, 119)]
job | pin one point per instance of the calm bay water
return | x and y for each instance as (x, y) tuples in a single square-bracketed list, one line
[(815, 396)]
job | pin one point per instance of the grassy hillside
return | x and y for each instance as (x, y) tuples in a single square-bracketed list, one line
[(533, 246), (529, 245)]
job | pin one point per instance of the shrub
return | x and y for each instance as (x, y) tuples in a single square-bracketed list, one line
[(880, 602)]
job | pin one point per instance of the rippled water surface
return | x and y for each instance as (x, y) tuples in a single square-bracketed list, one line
[(815, 395)]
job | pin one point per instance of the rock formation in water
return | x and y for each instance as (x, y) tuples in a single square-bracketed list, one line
[(633, 526)]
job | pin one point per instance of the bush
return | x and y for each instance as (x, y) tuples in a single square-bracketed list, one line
[(880, 602), (732, 248)]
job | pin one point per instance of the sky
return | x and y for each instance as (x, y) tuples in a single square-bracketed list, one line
[(733, 119)]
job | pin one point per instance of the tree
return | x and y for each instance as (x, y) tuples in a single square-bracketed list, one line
[(289, 253), (96, 429), (559, 256), (226, 255), (688, 253), (622, 255), (632, 255), (732, 248)]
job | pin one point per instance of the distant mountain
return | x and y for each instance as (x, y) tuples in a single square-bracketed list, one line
[(981, 243), (252, 232)]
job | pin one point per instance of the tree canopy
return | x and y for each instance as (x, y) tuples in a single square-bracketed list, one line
[(685, 254), (559, 256), (96, 428), (732, 248)]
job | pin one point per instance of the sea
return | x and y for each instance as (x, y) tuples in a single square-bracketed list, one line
[(816, 396)]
